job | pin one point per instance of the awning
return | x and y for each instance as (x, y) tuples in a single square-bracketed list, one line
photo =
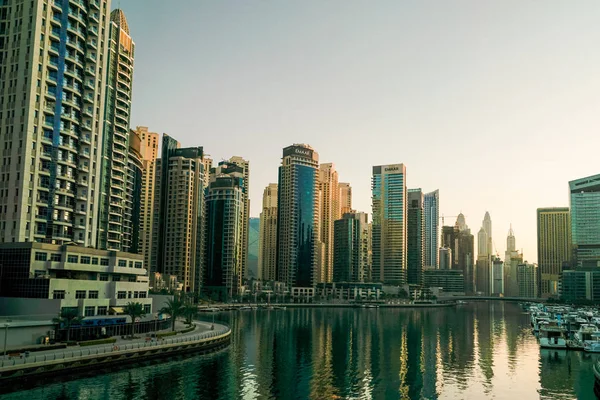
[(117, 310)]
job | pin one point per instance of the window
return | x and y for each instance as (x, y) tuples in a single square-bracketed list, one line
[(142, 295), (116, 278), (41, 256), (86, 260), (138, 265), (80, 294), (58, 295), (102, 310), (147, 308), (132, 279), (136, 295), (104, 262), (55, 257), (89, 311), (93, 294), (104, 277), (95, 261), (130, 264), (72, 259), (122, 263), (121, 295)]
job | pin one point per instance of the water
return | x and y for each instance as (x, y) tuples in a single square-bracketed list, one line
[(477, 351)]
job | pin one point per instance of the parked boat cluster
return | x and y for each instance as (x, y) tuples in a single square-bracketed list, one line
[(563, 327)]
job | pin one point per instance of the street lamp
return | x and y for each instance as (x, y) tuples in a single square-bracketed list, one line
[(6, 325)]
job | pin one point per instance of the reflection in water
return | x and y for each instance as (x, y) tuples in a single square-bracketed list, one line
[(481, 350)]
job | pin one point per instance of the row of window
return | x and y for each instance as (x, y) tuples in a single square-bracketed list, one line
[(129, 295), (75, 259)]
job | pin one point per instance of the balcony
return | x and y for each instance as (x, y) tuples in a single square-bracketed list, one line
[(91, 71), (92, 43), (89, 98), (51, 93), (94, 4)]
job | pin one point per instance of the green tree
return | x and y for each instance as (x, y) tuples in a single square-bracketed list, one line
[(189, 311), (134, 310), (173, 308), (403, 294), (67, 317)]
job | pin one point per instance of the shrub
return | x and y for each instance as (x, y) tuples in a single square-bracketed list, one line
[(188, 329), (165, 334)]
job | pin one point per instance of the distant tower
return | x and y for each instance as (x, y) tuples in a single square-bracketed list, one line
[(511, 242), (483, 268), (487, 225), (431, 210), (329, 212), (267, 246), (345, 198), (461, 223), (415, 237)]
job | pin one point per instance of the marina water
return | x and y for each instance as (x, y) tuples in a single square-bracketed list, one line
[(475, 351)]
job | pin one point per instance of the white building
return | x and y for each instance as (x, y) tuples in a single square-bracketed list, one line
[(41, 278)]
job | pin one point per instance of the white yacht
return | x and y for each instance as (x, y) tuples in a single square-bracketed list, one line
[(552, 336), (593, 345), (585, 332)]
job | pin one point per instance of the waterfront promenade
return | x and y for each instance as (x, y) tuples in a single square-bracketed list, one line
[(206, 336)]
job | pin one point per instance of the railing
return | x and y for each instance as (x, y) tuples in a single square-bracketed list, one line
[(38, 360)]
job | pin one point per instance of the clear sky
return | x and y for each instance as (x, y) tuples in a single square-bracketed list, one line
[(495, 103)]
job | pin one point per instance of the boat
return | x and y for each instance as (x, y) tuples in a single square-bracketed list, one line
[(593, 345), (539, 322), (245, 308), (552, 336), (371, 306), (279, 307), (585, 332), (209, 309)]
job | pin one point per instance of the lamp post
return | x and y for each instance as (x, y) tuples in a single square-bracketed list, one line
[(6, 325)]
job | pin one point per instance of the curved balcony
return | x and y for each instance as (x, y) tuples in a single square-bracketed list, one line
[(56, 19), (94, 4), (79, 3), (89, 98)]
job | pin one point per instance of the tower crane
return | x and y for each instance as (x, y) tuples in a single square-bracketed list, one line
[(449, 216)]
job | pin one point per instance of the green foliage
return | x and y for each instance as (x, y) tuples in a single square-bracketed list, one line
[(134, 310), (67, 317), (173, 308), (165, 334), (189, 311), (403, 294), (98, 341)]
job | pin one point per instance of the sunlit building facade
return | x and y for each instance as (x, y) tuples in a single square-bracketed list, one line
[(267, 246), (431, 209), (553, 246), (329, 212)]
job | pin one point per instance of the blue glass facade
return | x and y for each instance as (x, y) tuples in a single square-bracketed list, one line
[(306, 185), (432, 218), (585, 221)]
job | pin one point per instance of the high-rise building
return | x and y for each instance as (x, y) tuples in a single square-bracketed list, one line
[(389, 223), (445, 257), (432, 217), (460, 240), (483, 268), (267, 247), (497, 288), (585, 221), (527, 279), (178, 227), (580, 285), (351, 261), (554, 247), (114, 186), (487, 226), (449, 236), (240, 168), (450, 281), (345, 198), (298, 217), (253, 248), (512, 259), (53, 61), (329, 209), (415, 247), (148, 153), (133, 188), (222, 275)]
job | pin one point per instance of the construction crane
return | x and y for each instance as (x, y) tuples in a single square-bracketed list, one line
[(449, 216)]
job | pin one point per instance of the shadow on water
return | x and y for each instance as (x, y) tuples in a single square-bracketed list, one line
[(480, 350)]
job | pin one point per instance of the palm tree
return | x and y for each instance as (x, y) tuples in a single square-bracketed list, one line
[(189, 311), (173, 308), (134, 310), (67, 317)]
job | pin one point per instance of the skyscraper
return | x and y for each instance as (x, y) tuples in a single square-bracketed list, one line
[(487, 226), (527, 279), (133, 188), (497, 288), (178, 228), (114, 185), (432, 217), (148, 152), (445, 257), (512, 259), (52, 87), (345, 198), (389, 223), (351, 261), (298, 216), (267, 247), (585, 221), (415, 237), (329, 208), (554, 246), (483, 268), (222, 275), (464, 252), (240, 168)]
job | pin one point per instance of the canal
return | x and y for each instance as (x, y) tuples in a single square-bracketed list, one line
[(476, 351)]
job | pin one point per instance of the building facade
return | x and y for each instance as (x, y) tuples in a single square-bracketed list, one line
[(389, 226), (581, 285), (451, 281), (345, 198), (497, 288), (267, 247), (431, 209), (585, 221), (95, 282), (351, 259), (148, 153), (52, 117), (415, 246), (114, 231), (298, 217), (445, 258), (132, 201), (178, 228), (329, 209), (224, 237), (553, 246), (527, 277)]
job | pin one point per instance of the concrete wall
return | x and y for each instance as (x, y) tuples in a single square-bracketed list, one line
[(159, 301), (29, 309), (23, 333)]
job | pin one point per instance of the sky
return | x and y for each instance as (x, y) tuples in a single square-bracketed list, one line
[(494, 103)]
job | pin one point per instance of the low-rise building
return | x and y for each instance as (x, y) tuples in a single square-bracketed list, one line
[(450, 280), (527, 278), (580, 285), (349, 291), (53, 277)]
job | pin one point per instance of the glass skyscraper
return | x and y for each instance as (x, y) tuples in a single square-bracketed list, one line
[(432, 217), (585, 220), (298, 216), (389, 224), (415, 237)]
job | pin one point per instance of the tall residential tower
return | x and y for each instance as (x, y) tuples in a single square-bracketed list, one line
[(553, 246), (415, 237), (431, 209), (267, 246), (329, 208), (585, 221)]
